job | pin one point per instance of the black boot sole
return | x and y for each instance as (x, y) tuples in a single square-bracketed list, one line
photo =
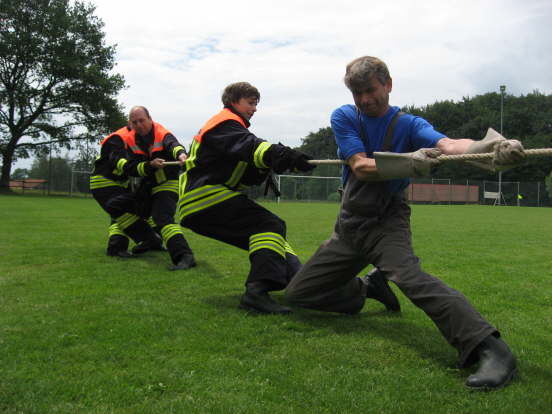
[(509, 379)]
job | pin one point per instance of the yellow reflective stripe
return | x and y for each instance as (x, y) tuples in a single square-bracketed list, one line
[(201, 200), (160, 176), (99, 181), (288, 248), (151, 222), (114, 230), (126, 220), (202, 191), (259, 154), (274, 247), (190, 162), (271, 241), (119, 168), (237, 174), (169, 185), (267, 236), (169, 231), (142, 169), (182, 181), (176, 150)]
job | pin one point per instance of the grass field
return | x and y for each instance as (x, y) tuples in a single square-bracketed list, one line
[(81, 332)]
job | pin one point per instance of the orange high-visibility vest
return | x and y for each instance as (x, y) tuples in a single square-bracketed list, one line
[(224, 115), (124, 133), (159, 132)]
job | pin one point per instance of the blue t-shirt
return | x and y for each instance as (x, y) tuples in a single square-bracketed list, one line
[(411, 133)]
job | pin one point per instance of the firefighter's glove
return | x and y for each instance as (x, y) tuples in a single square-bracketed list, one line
[(391, 165), (507, 153), (301, 163), (284, 158)]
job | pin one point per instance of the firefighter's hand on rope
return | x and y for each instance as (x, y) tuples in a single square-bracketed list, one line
[(182, 159), (284, 158), (507, 153), (391, 165), (157, 163)]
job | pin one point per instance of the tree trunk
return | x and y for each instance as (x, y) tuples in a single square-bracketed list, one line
[(7, 158)]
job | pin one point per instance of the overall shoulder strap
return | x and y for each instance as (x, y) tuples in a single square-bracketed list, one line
[(388, 141)]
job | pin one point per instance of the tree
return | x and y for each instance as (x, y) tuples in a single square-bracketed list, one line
[(55, 170), (20, 174), (56, 85), (321, 145)]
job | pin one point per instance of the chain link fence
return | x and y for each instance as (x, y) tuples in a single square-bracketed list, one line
[(75, 183)]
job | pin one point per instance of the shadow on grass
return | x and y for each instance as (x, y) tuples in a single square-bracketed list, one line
[(426, 341)]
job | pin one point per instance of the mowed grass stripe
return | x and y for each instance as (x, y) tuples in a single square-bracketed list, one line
[(83, 332)]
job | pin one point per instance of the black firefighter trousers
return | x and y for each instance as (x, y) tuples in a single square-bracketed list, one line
[(237, 221), (121, 205)]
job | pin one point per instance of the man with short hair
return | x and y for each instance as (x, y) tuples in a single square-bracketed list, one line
[(150, 145), (382, 147), (225, 158)]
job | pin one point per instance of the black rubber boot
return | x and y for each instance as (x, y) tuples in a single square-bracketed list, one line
[(155, 243), (497, 365), (187, 261), (258, 300), (377, 288)]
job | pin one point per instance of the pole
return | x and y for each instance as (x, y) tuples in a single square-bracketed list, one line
[(502, 89), (50, 169)]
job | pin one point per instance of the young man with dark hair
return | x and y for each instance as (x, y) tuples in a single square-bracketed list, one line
[(382, 148), (225, 158)]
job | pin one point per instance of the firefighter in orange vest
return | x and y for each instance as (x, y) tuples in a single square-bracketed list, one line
[(150, 144), (224, 159), (109, 185)]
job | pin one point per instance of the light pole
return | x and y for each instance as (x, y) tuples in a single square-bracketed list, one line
[(502, 90)]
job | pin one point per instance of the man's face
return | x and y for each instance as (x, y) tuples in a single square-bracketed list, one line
[(246, 107), (140, 122), (373, 100)]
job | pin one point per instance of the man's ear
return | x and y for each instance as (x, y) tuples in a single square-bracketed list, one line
[(390, 85)]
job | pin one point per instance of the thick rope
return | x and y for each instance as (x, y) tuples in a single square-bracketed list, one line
[(545, 152)]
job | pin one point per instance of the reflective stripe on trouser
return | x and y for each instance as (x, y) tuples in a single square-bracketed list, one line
[(328, 280), (135, 227), (120, 204), (117, 239), (175, 241), (162, 212), (241, 222)]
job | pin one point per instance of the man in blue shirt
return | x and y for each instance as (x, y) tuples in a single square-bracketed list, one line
[(383, 148)]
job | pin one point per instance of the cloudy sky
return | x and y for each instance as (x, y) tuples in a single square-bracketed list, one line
[(177, 56)]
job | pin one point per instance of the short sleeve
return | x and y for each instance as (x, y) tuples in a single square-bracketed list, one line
[(347, 134), (424, 134)]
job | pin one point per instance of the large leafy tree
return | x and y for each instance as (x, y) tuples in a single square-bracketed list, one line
[(56, 82)]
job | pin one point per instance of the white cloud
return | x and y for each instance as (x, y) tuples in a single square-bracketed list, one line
[(177, 56)]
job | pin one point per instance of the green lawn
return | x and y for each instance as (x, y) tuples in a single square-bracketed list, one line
[(81, 332)]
